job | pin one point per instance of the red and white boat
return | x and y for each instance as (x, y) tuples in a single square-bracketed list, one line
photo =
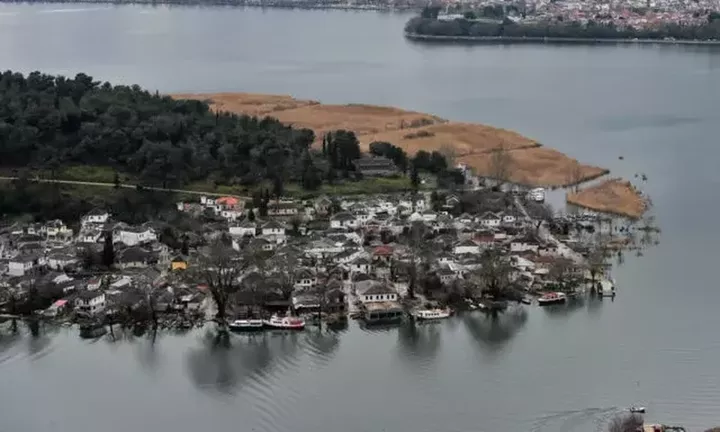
[(285, 323), (552, 298)]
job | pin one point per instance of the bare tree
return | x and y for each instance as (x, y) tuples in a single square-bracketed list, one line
[(563, 273), (220, 269), (575, 177), (492, 278), (597, 261), (500, 161), (626, 423)]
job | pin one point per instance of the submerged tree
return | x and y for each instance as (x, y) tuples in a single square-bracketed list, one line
[(493, 277), (219, 269), (626, 423)]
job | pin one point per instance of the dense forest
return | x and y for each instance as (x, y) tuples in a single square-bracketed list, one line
[(47, 122), (427, 25)]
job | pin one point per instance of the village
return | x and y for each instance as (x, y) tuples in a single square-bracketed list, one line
[(378, 258)]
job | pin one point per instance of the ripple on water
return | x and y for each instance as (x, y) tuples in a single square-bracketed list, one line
[(589, 419)]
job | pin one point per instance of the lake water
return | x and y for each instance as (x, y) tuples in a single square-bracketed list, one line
[(566, 370)]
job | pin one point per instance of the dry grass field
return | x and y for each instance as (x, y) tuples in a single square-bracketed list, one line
[(615, 196), (413, 131)]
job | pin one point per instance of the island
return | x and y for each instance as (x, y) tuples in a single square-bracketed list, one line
[(513, 25)]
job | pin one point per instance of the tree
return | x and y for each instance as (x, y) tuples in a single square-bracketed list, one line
[(626, 423), (492, 279), (469, 15), (562, 272), (278, 187), (251, 215), (116, 180), (185, 247), (219, 269), (108, 254), (500, 165), (596, 262), (414, 177)]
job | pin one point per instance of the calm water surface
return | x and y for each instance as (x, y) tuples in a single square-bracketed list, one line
[(564, 370)]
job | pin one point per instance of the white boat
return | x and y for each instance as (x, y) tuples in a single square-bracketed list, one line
[(637, 409), (285, 323), (606, 288), (552, 298), (432, 314), (246, 325)]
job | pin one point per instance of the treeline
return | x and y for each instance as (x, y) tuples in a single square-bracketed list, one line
[(560, 29), (47, 122)]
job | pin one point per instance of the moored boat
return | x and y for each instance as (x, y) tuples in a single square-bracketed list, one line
[(552, 298), (246, 325), (285, 323), (432, 314), (92, 330)]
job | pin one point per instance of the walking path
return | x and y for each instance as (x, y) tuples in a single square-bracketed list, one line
[(127, 186)]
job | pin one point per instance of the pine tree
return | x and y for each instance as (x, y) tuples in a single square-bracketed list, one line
[(185, 248), (251, 215), (108, 255), (414, 177)]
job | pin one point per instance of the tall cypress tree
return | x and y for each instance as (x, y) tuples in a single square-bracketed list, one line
[(108, 255)]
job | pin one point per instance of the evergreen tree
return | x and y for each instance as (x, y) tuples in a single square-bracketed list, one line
[(185, 248), (116, 180), (108, 255), (414, 177), (251, 215)]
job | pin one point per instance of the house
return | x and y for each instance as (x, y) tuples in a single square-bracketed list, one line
[(524, 243), (378, 292), (273, 228), (57, 230), (23, 264), (55, 309), (343, 220), (132, 236), (446, 275), (305, 279), (323, 247), (90, 302), (451, 201), (96, 216), (466, 247), (59, 260), (244, 228), (282, 209), (360, 265), (178, 263), (408, 203), (485, 239), (323, 205), (490, 219), (347, 256), (134, 257), (375, 166), (429, 216), (383, 253), (90, 236)]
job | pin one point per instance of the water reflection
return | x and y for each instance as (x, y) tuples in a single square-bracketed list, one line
[(491, 334), (419, 343), (321, 345), (226, 365), (563, 310)]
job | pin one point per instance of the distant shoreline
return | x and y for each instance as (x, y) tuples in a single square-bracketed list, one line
[(554, 40), (233, 3)]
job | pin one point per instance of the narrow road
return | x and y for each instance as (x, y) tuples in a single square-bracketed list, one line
[(545, 234), (127, 186)]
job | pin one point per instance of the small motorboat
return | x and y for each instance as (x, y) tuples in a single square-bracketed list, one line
[(246, 325), (285, 323), (526, 300), (432, 314), (637, 409), (552, 298)]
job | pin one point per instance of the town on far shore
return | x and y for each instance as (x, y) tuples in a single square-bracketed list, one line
[(284, 263)]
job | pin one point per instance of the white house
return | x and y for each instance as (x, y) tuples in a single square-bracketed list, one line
[(282, 209), (273, 228), (379, 292), (466, 247), (446, 275), (96, 216), (429, 216), (22, 264), (231, 214), (244, 228), (323, 247), (407, 202), (524, 243), (90, 236), (343, 220), (347, 256), (56, 229), (490, 219), (132, 236), (305, 279), (90, 302), (360, 265), (60, 260)]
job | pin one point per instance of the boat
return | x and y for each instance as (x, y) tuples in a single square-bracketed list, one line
[(526, 300), (637, 409), (432, 314), (552, 298), (285, 323), (245, 325), (606, 288), (92, 330)]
